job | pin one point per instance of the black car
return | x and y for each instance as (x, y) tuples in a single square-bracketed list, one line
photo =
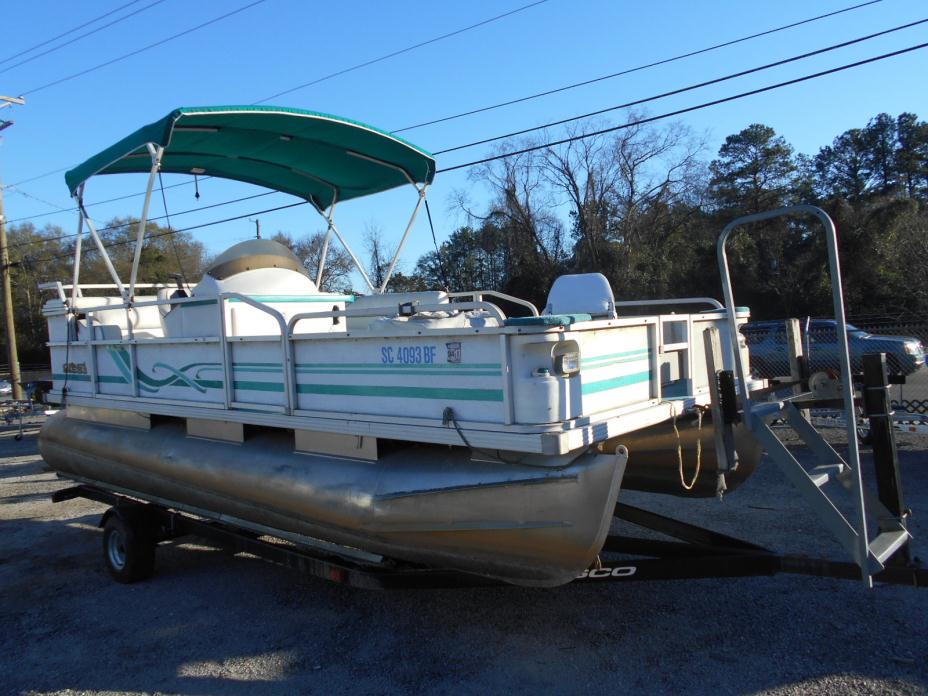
[(770, 358)]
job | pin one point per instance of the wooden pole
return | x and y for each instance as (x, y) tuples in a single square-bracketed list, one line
[(12, 354)]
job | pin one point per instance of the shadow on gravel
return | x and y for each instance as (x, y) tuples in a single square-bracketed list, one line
[(210, 623)]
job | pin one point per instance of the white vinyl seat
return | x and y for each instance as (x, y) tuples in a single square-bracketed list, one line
[(582, 293)]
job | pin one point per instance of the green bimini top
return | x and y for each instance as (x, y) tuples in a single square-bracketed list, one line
[(320, 158)]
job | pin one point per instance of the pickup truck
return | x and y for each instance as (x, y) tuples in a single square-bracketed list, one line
[(769, 356)]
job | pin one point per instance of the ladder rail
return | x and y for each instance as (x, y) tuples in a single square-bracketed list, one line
[(837, 291)]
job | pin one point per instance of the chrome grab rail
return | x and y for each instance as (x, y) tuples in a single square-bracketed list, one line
[(675, 301), (477, 296), (497, 313), (286, 346)]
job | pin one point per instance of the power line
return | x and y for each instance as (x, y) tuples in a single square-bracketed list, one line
[(628, 71), (583, 136), (669, 114), (89, 205), (321, 79), (36, 178), (143, 49), (563, 141), (514, 101), (82, 36), (69, 31), (681, 90), (123, 242), (45, 240), (400, 52)]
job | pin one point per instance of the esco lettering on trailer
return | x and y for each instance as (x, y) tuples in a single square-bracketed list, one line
[(599, 573)]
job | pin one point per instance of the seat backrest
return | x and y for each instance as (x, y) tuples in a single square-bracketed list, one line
[(582, 293)]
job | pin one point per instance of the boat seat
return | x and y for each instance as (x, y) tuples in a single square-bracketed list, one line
[(581, 293)]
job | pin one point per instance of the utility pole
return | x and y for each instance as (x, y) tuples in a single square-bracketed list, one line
[(257, 229), (13, 355)]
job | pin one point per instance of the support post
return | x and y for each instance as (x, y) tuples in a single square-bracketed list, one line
[(324, 253), (798, 360), (399, 249), (10, 322), (722, 429), (885, 456), (156, 152)]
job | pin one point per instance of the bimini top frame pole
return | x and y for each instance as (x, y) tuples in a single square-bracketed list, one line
[(156, 152), (421, 190), (320, 158)]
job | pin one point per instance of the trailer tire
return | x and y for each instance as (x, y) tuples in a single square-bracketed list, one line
[(128, 551)]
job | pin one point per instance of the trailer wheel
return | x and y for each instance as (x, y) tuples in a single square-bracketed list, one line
[(128, 552)]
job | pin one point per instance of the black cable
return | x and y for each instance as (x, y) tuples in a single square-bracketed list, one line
[(515, 101), (36, 178), (689, 88), (550, 144), (167, 215), (82, 36), (88, 205), (685, 110), (69, 31), (646, 66), (441, 265), (143, 49), (399, 52), (571, 139), (153, 219), (123, 242)]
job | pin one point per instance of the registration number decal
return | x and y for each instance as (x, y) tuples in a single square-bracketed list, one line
[(408, 355)]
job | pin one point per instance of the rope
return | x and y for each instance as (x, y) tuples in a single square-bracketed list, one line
[(699, 416)]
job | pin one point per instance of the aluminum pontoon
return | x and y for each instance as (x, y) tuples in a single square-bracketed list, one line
[(429, 427)]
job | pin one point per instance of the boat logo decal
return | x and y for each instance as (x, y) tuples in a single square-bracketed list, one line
[(178, 377), (73, 368)]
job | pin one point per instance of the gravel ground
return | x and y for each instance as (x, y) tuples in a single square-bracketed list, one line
[(211, 623)]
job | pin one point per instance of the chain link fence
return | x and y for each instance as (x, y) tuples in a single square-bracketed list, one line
[(902, 339)]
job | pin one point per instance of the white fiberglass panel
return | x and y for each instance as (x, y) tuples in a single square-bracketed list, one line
[(403, 376)]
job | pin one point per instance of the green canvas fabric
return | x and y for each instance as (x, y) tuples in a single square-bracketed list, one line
[(304, 153)]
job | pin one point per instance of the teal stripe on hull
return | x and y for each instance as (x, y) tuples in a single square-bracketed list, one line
[(438, 373), (451, 394), (616, 382), (399, 366), (641, 352), (72, 378), (246, 385)]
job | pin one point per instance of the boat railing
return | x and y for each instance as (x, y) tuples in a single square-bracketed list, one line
[(712, 302), (59, 288), (285, 345), (489, 307), (478, 295)]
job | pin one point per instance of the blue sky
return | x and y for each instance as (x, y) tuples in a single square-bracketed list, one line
[(278, 44)]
